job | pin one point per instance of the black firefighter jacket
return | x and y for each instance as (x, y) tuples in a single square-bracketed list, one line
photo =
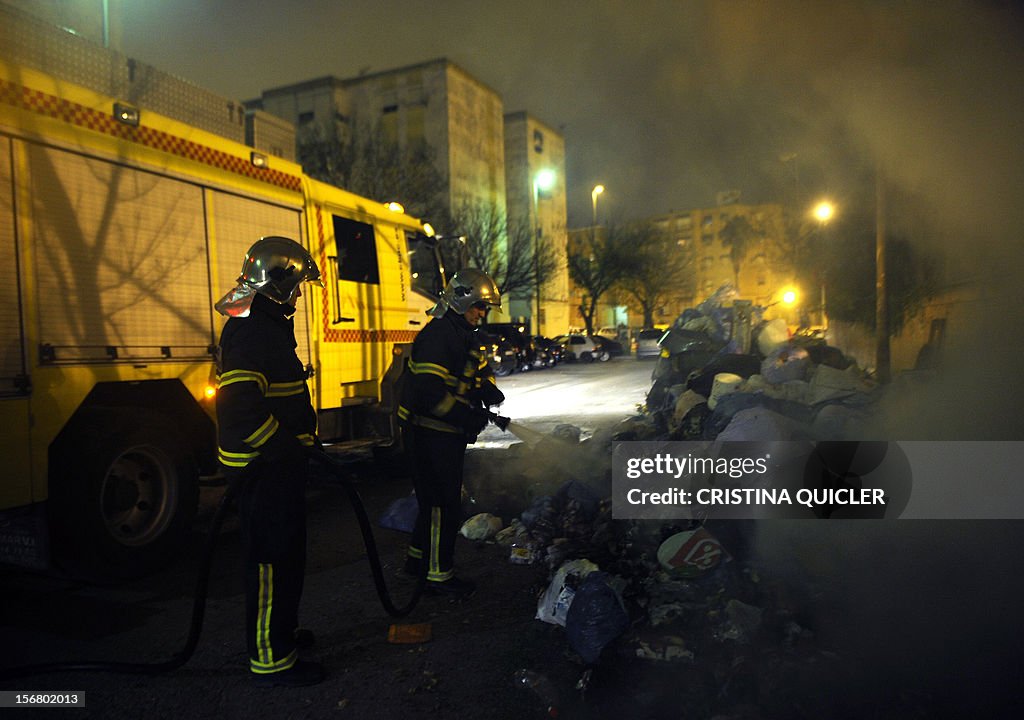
[(449, 378), (263, 403)]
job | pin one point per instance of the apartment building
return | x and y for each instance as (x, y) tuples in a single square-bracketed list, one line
[(483, 156), (535, 182), (760, 272)]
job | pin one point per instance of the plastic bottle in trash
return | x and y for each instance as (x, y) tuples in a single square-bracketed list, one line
[(541, 687)]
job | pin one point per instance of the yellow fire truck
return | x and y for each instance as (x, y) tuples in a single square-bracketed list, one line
[(119, 229)]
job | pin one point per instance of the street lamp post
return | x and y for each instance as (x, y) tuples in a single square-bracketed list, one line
[(882, 356), (543, 180), (598, 189), (824, 211)]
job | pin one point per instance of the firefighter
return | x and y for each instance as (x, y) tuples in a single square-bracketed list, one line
[(443, 408), (266, 422)]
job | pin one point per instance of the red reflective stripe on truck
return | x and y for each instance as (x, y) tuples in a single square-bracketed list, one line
[(75, 114)]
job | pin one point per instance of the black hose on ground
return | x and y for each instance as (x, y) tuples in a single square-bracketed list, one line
[(372, 555), (202, 586)]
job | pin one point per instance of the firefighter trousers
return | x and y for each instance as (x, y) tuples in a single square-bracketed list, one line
[(272, 510), (437, 462)]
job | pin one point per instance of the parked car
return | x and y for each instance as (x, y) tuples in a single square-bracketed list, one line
[(554, 351), (579, 347), (516, 335), (647, 343), (501, 355), (607, 348)]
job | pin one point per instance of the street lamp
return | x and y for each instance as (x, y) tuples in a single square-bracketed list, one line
[(598, 189), (543, 180), (823, 212)]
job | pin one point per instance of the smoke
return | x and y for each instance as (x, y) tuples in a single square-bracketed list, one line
[(924, 96), (912, 608), (928, 94)]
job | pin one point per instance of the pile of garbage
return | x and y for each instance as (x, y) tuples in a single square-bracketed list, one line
[(676, 592), (673, 597), (650, 592), (728, 374)]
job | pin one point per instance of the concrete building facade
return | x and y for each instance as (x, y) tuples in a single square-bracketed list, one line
[(483, 156), (764, 272), (435, 102), (532, 147)]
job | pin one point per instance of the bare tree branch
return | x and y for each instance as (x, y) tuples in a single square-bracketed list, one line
[(504, 248), (596, 263), (656, 270)]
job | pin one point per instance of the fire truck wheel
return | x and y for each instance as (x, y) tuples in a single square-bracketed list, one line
[(126, 495)]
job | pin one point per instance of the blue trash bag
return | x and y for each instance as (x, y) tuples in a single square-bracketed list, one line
[(595, 617), (401, 514)]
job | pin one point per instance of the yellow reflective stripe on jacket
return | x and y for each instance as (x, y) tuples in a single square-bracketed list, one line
[(306, 439), (466, 381), (237, 376), (418, 368), (235, 459), (263, 432), (487, 379), (425, 422), (444, 407), (286, 389)]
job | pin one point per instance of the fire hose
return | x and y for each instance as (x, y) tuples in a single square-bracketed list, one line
[(202, 582)]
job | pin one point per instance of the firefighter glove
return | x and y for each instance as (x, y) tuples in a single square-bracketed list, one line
[(476, 420)]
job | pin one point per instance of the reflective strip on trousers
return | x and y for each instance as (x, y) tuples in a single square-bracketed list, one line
[(434, 565), (264, 651)]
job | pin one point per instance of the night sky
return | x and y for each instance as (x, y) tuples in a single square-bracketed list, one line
[(667, 103)]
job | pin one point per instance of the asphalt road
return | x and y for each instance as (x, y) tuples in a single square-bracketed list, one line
[(465, 671), (587, 395), (910, 619)]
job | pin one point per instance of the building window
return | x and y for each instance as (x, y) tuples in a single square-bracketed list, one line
[(706, 238), (357, 251), (305, 118), (538, 141), (388, 109)]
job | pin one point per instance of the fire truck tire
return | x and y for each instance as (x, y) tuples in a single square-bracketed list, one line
[(127, 492)]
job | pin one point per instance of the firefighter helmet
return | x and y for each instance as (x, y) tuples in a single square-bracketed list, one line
[(467, 287), (274, 267)]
